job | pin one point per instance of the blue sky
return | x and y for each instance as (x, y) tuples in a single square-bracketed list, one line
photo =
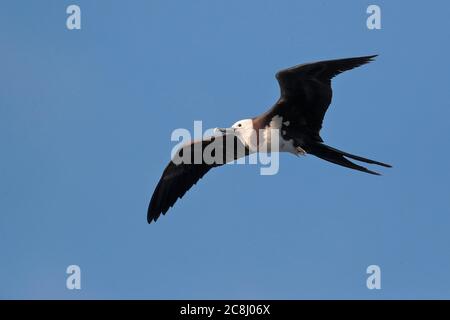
[(85, 124)]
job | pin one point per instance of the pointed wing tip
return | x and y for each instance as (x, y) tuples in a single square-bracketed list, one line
[(155, 211), (152, 216), (372, 57), (362, 60), (365, 59)]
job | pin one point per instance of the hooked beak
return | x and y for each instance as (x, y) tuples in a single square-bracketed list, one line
[(224, 130)]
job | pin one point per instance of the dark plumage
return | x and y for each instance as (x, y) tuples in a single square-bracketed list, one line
[(179, 178), (305, 94)]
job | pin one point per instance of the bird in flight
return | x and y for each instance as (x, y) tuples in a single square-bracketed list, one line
[(297, 116)]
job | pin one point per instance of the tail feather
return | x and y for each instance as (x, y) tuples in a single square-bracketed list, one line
[(358, 158), (338, 157)]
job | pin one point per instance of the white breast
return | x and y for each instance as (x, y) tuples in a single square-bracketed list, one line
[(263, 141), (283, 145), (274, 131)]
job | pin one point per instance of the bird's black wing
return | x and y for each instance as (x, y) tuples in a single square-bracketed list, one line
[(191, 162), (306, 92)]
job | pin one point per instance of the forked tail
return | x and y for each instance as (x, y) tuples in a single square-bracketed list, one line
[(336, 156)]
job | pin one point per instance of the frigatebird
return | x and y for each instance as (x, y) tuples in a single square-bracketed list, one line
[(305, 94)]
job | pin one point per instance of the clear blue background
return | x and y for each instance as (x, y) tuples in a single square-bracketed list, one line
[(85, 124)]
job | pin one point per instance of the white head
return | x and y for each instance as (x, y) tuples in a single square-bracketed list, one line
[(243, 129), (238, 127), (243, 124)]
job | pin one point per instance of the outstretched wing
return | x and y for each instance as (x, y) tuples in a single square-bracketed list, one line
[(306, 92), (189, 165)]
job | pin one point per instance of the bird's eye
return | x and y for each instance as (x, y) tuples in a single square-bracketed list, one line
[(239, 125)]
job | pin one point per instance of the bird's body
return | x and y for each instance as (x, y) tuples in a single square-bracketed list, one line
[(292, 125), (263, 142)]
